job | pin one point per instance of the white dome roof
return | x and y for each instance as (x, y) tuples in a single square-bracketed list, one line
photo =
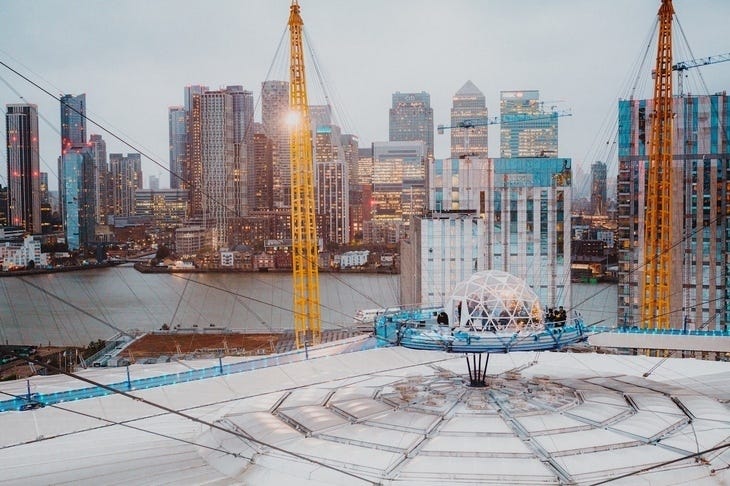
[(497, 300)]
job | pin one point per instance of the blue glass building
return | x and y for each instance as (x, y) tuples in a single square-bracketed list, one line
[(78, 196)]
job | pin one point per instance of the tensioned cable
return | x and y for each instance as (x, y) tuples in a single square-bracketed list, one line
[(662, 464), (271, 304), (74, 306), (195, 419), (122, 424)]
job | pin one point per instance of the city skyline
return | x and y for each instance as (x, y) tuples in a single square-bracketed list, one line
[(578, 52)]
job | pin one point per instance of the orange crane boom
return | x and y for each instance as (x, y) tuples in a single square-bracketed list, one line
[(656, 304), (305, 274)]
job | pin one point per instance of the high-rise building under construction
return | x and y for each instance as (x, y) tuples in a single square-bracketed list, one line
[(700, 236)]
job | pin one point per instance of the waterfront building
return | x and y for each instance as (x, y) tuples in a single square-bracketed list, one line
[(526, 130), (274, 110), (78, 196), (191, 164), (46, 211), (189, 240), (165, 208), (219, 205), (700, 276), (514, 216), (411, 119), (177, 123), (242, 106), (599, 195), (399, 188), (23, 170), (125, 177), (352, 259), (73, 120), (331, 185), (469, 104), (22, 252), (263, 159), (101, 177)]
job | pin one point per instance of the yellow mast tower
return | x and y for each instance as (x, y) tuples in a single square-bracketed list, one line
[(307, 326), (656, 305)]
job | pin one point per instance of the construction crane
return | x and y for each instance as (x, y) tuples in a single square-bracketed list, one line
[(680, 67), (504, 120), (658, 231), (305, 274)]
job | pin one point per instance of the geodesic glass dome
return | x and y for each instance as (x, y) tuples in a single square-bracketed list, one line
[(495, 301)]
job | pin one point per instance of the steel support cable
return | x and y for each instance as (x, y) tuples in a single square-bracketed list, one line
[(56, 317), (645, 58), (678, 242), (271, 304), (110, 423), (179, 301), (74, 306), (197, 420), (662, 464), (94, 300), (332, 97), (249, 123)]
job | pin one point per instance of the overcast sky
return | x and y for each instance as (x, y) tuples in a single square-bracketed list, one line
[(133, 59)]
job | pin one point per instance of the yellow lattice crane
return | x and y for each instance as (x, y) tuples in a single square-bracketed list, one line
[(656, 305), (307, 326)]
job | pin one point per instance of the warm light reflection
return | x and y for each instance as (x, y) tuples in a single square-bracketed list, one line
[(292, 118)]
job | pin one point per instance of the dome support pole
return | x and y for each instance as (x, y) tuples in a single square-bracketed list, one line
[(477, 372)]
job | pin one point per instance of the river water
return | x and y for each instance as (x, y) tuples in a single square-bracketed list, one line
[(78, 307)]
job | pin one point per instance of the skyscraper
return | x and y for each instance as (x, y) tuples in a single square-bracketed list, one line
[(125, 177), (78, 195), (274, 108), (73, 120), (21, 121), (220, 200), (243, 131), (178, 139), (411, 119), (599, 192), (526, 130), (469, 104), (700, 276), (101, 177), (399, 189), (262, 172), (350, 144), (331, 184), (191, 165)]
